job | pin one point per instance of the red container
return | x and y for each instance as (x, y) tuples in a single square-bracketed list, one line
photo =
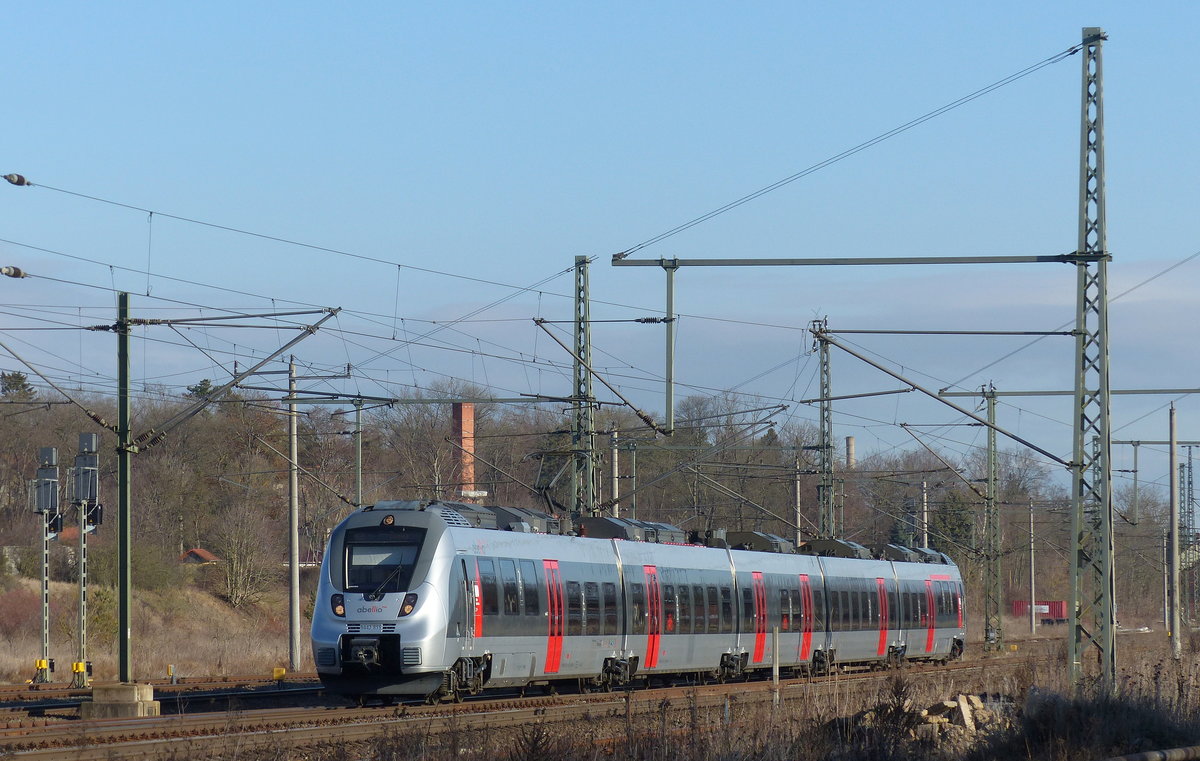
[(1042, 608)]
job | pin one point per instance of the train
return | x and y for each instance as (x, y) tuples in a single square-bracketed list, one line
[(441, 600)]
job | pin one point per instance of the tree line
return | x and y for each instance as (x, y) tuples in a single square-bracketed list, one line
[(220, 482)]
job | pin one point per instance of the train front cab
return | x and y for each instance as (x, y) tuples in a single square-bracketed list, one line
[(379, 623)]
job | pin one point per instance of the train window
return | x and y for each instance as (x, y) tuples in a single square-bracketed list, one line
[(835, 612), (893, 613), (699, 611), (685, 609), (847, 612), (637, 608), (529, 581), (487, 586), (747, 609), (591, 607), (818, 611), (508, 578), (726, 609), (797, 611), (610, 607), (869, 619), (574, 608), (381, 558), (669, 606), (714, 616), (856, 611), (785, 611)]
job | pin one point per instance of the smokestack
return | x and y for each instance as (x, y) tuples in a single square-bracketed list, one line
[(851, 461), (464, 452)]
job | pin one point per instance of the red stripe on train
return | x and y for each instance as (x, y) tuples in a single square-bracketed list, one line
[(929, 612), (806, 601), (760, 617), (478, 602), (883, 617), (654, 628), (554, 615)]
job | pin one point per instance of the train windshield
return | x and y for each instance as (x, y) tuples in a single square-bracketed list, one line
[(381, 559)]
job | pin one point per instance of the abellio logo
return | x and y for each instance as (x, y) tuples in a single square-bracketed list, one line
[(372, 609)]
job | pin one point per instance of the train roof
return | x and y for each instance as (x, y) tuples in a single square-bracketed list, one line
[(525, 520)]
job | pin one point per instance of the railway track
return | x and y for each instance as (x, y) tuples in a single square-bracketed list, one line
[(10, 693), (300, 730)]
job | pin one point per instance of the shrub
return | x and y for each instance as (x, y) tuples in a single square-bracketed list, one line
[(22, 611)]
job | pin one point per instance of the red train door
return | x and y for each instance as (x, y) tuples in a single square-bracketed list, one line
[(931, 618), (554, 609), (807, 615), (760, 617), (478, 589), (654, 619), (881, 589)]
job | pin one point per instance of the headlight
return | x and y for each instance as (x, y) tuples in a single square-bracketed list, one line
[(410, 602), (338, 603)]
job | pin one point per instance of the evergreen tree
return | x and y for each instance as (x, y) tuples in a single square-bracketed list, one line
[(14, 386)]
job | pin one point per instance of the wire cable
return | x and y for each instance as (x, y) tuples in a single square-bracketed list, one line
[(856, 149)]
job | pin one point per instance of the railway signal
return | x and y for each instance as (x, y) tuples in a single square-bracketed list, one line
[(46, 504)]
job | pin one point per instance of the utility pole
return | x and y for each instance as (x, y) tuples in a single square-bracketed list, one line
[(1032, 574), (669, 267), (1166, 580), (358, 460), (616, 474), (1188, 541), (47, 506), (125, 450), (827, 526), (993, 619), (796, 517), (583, 484), (1173, 628), (1181, 484), (1136, 515), (1093, 613), (924, 513), (293, 524), (633, 480)]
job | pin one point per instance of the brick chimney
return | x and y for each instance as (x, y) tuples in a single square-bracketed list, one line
[(464, 452)]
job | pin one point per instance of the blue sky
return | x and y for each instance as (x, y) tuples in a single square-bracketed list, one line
[(495, 142)]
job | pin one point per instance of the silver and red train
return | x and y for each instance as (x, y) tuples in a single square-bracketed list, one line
[(444, 599)]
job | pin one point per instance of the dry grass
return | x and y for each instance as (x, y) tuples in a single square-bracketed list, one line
[(197, 633)]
